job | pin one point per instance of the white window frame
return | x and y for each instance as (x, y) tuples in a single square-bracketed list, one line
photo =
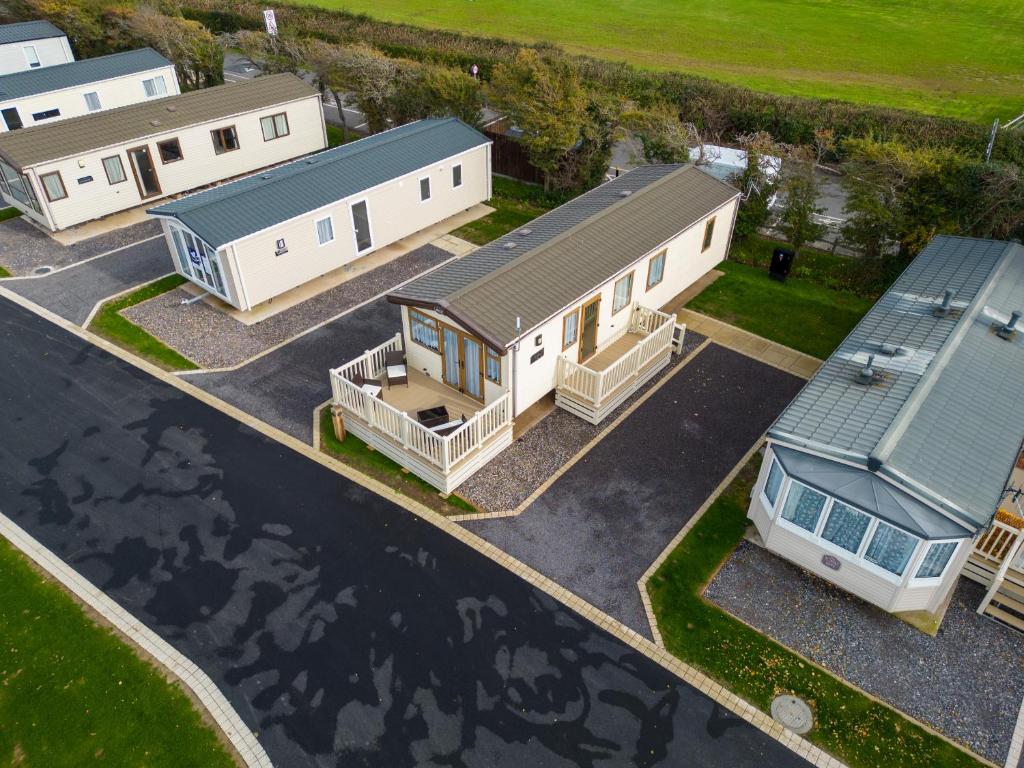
[(461, 179), (879, 570), (213, 257), (430, 189), (369, 225), (916, 580), (35, 55), (88, 107), (827, 512), (154, 79), (783, 488), (316, 230)]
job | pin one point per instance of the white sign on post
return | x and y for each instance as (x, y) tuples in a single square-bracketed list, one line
[(270, 20)]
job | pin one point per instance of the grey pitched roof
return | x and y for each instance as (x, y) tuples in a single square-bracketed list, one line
[(865, 490), (231, 211), (564, 255), (40, 143), (946, 416), (33, 82), (24, 31)]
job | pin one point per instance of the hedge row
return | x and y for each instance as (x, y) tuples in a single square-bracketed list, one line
[(719, 108)]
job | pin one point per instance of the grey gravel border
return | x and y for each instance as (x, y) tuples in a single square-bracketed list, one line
[(214, 339), (508, 480), (24, 248), (966, 682)]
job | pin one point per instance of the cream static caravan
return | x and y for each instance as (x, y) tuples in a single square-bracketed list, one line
[(82, 87), (88, 167), (32, 45), (272, 231), (571, 302)]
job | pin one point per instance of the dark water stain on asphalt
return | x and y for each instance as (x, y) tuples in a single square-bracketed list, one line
[(344, 630)]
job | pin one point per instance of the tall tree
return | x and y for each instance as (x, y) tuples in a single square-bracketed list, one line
[(546, 100), (196, 54), (799, 189), (80, 23), (756, 184)]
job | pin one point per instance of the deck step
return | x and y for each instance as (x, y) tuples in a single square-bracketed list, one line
[(1013, 588), (1005, 617)]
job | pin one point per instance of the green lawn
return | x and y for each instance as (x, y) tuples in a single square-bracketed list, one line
[(951, 57), (109, 324), (798, 313), (849, 725), (9, 213), (355, 453), (515, 203), (336, 137), (72, 694)]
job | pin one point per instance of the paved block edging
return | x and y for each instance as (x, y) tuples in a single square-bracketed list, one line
[(1013, 757), (155, 647), (624, 634)]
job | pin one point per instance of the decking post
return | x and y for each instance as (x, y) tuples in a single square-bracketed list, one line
[(338, 417)]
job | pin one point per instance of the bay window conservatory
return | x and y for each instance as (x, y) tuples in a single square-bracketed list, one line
[(858, 518)]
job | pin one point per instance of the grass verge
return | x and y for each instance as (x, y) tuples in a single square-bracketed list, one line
[(356, 453), (9, 213), (336, 137), (4, 272), (515, 203), (798, 313), (109, 324), (73, 694), (853, 727)]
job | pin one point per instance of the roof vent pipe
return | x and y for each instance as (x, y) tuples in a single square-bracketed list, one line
[(1009, 330), (943, 309), (867, 373)]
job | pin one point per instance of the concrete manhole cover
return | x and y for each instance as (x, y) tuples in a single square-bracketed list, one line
[(42, 270), (792, 713)]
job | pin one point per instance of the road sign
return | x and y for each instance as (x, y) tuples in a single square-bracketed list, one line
[(270, 21)]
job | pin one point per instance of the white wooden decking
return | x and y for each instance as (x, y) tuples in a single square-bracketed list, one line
[(997, 562), (388, 423), (596, 388)]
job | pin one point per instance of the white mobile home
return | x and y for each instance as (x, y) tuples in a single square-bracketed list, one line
[(32, 45), (87, 167), (569, 303), (81, 87), (896, 454), (278, 229)]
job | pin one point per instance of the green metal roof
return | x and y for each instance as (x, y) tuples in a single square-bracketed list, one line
[(26, 31), (232, 211), (33, 82)]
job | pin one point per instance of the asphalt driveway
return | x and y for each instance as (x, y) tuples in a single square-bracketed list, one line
[(598, 527), (73, 292), (344, 630), (284, 386)]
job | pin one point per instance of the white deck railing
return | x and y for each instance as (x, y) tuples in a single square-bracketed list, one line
[(594, 386), (443, 452)]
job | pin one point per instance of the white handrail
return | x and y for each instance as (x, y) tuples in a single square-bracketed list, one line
[(594, 386), (441, 451)]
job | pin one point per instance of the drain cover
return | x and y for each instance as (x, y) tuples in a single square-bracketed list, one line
[(792, 713), (42, 270)]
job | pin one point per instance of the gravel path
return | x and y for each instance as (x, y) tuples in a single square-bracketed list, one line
[(509, 479), (213, 339), (23, 248), (72, 293), (967, 682)]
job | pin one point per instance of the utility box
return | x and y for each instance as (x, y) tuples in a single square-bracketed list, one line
[(782, 262)]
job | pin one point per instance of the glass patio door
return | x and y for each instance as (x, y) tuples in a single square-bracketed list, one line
[(452, 364), (462, 363)]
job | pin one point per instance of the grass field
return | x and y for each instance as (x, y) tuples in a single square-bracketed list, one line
[(72, 694), (951, 57)]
